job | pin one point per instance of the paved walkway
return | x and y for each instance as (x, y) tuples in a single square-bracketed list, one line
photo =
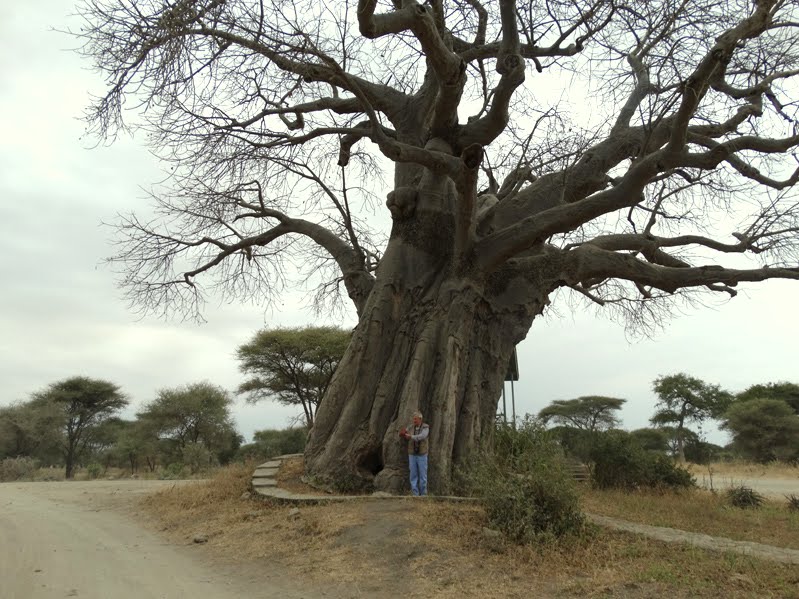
[(265, 484)]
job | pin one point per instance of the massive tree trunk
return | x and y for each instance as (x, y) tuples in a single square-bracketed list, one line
[(434, 335)]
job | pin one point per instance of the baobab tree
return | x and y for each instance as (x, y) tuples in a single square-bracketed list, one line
[(620, 151)]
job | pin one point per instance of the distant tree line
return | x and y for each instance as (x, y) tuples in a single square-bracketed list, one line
[(76, 422), (763, 421)]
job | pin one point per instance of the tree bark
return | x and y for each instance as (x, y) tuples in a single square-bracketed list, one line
[(69, 469), (681, 437), (435, 335)]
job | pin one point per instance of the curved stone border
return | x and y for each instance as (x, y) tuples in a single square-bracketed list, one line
[(264, 483)]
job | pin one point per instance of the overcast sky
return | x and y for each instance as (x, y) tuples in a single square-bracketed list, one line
[(61, 314)]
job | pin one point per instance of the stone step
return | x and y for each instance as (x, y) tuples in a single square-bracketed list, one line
[(264, 482), (579, 472), (265, 471), (271, 464)]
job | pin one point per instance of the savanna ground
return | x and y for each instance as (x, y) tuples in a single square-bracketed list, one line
[(417, 548)]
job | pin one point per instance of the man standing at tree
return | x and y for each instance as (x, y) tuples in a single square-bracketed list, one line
[(417, 454)]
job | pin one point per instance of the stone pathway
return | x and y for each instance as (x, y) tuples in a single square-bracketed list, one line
[(696, 539), (264, 484)]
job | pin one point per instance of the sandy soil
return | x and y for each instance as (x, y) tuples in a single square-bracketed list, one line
[(77, 539)]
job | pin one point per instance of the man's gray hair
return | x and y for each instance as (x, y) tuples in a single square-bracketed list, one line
[(417, 414)]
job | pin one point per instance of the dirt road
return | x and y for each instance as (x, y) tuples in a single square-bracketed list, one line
[(72, 539), (776, 488)]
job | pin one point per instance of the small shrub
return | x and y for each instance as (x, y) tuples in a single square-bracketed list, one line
[(534, 507), (349, 484), (662, 471), (793, 502), (197, 457), (526, 491), (12, 469), (173, 471), (744, 497), (94, 470)]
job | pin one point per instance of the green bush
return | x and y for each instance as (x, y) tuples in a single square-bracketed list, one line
[(744, 497), (620, 462), (526, 491), (174, 471), (576, 443), (793, 502), (12, 469), (533, 507), (94, 470)]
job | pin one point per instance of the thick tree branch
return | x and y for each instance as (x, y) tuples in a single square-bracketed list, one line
[(754, 108), (646, 243), (510, 66), (482, 21), (642, 88), (589, 263), (337, 105), (718, 83), (361, 130), (726, 152), (712, 66), (357, 280), (448, 67), (466, 222)]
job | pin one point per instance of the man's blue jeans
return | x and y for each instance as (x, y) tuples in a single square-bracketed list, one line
[(418, 467)]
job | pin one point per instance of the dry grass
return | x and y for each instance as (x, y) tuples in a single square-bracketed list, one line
[(749, 470), (700, 511), (417, 548), (289, 477)]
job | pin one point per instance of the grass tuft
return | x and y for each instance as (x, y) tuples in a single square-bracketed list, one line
[(744, 497)]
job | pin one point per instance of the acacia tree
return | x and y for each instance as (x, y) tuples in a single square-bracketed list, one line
[(683, 399), (589, 413), (195, 415), (280, 121), (764, 429), (293, 366), (84, 404)]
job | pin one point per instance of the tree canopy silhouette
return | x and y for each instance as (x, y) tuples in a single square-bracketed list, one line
[(622, 152)]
